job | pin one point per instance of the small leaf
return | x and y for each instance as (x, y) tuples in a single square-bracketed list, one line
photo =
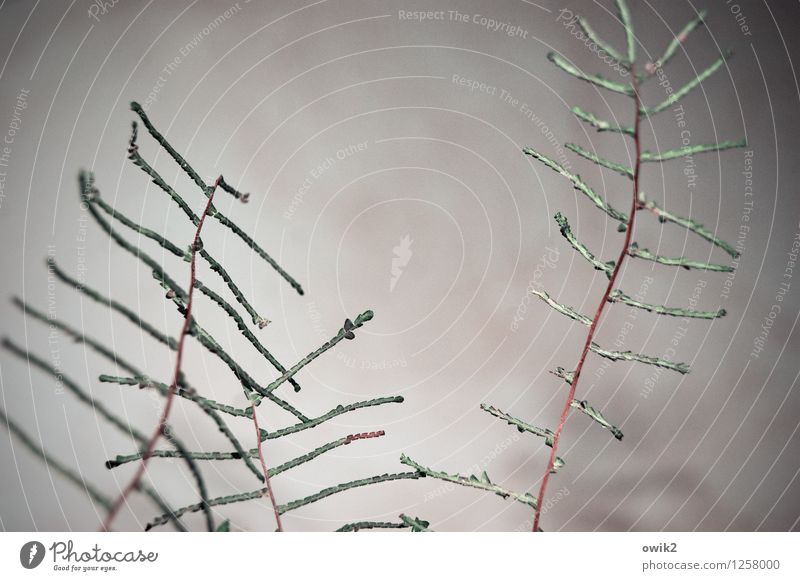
[(225, 527)]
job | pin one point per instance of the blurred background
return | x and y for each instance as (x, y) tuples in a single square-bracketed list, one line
[(383, 157)]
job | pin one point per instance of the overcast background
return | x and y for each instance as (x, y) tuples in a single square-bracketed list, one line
[(349, 126)]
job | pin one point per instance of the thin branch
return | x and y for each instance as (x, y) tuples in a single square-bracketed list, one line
[(337, 411), (114, 305), (583, 405), (416, 525), (369, 525), (52, 462), (579, 185), (688, 87), (79, 392), (631, 356), (545, 433), (625, 17), (482, 483), (566, 231), (666, 216), (691, 150), (162, 424), (346, 332), (563, 309), (594, 158), (612, 279), (601, 44), (672, 47), (213, 212), (596, 80), (600, 124), (295, 504), (223, 304), (110, 416), (245, 496), (178, 296), (618, 296), (681, 261), (143, 381), (265, 470), (210, 407)]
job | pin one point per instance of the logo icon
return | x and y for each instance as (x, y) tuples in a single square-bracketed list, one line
[(31, 554), (402, 255)]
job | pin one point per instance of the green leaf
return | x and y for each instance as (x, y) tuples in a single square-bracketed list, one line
[(599, 124), (545, 433), (225, 527), (627, 22), (601, 44), (594, 158), (471, 482), (596, 80), (691, 150), (595, 414), (579, 185), (631, 356), (666, 216), (688, 87), (618, 296), (679, 39), (563, 224), (563, 309)]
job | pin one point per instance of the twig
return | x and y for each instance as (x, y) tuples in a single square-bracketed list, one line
[(266, 471), (160, 429), (611, 282)]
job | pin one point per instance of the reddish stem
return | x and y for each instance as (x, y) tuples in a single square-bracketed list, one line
[(266, 472), (364, 436), (162, 424), (601, 307)]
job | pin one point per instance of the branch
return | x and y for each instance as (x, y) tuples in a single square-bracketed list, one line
[(596, 80), (210, 407), (688, 87), (627, 22), (692, 150), (595, 414), (579, 185), (614, 166), (630, 356), (346, 332), (245, 496), (563, 224), (51, 462), (213, 212), (337, 411), (162, 424), (683, 262), (545, 433), (482, 483), (223, 304), (601, 44), (619, 296), (672, 47), (696, 227), (563, 309), (599, 124)]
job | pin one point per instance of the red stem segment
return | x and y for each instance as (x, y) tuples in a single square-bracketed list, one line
[(162, 424), (596, 320), (266, 472)]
